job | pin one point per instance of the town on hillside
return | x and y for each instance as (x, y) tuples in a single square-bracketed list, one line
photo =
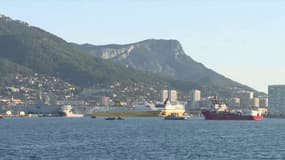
[(31, 91)]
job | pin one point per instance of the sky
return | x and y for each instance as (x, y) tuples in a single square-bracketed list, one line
[(241, 39)]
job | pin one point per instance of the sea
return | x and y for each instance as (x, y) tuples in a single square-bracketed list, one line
[(140, 139)]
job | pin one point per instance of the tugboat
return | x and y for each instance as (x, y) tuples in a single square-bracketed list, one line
[(219, 111)]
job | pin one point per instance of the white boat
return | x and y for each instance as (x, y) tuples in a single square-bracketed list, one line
[(66, 110)]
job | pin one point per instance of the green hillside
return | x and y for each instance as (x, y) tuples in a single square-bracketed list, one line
[(46, 53)]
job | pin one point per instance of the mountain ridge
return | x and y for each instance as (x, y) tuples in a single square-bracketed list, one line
[(23, 45), (171, 62)]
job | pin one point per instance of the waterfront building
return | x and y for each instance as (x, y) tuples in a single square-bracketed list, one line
[(234, 102), (196, 95), (255, 102), (163, 95), (172, 95), (263, 102), (246, 98), (195, 101), (276, 99), (105, 101)]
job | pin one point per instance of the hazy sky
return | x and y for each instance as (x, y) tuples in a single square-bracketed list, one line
[(241, 39)]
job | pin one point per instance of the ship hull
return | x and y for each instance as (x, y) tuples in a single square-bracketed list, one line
[(71, 115), (209, 115), (175, 118), (127, 114)]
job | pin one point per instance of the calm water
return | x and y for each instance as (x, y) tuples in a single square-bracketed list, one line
[(140, 138)]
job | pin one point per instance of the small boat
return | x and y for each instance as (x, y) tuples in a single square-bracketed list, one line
[(120, 118), (93, 116), (110, 118)]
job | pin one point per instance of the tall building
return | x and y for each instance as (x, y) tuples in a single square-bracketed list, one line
[(172, 95), (246, 98), (105, 101), (276, 99), (263, 102), (163, 95), (255, 102), (196, 95), (234, 102)]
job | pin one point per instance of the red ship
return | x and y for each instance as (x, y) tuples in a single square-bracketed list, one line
[(219, 111)]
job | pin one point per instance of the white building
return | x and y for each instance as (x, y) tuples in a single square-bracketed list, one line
[(163, 95), (105, 101), (196, 95), (255, 102), (172, 95), (276, 99), (246, 98)]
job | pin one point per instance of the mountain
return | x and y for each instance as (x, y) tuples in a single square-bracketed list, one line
[(31, 49), (156, 63), (162, 57)]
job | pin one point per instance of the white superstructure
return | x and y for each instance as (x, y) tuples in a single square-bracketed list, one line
[(67, 110)]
